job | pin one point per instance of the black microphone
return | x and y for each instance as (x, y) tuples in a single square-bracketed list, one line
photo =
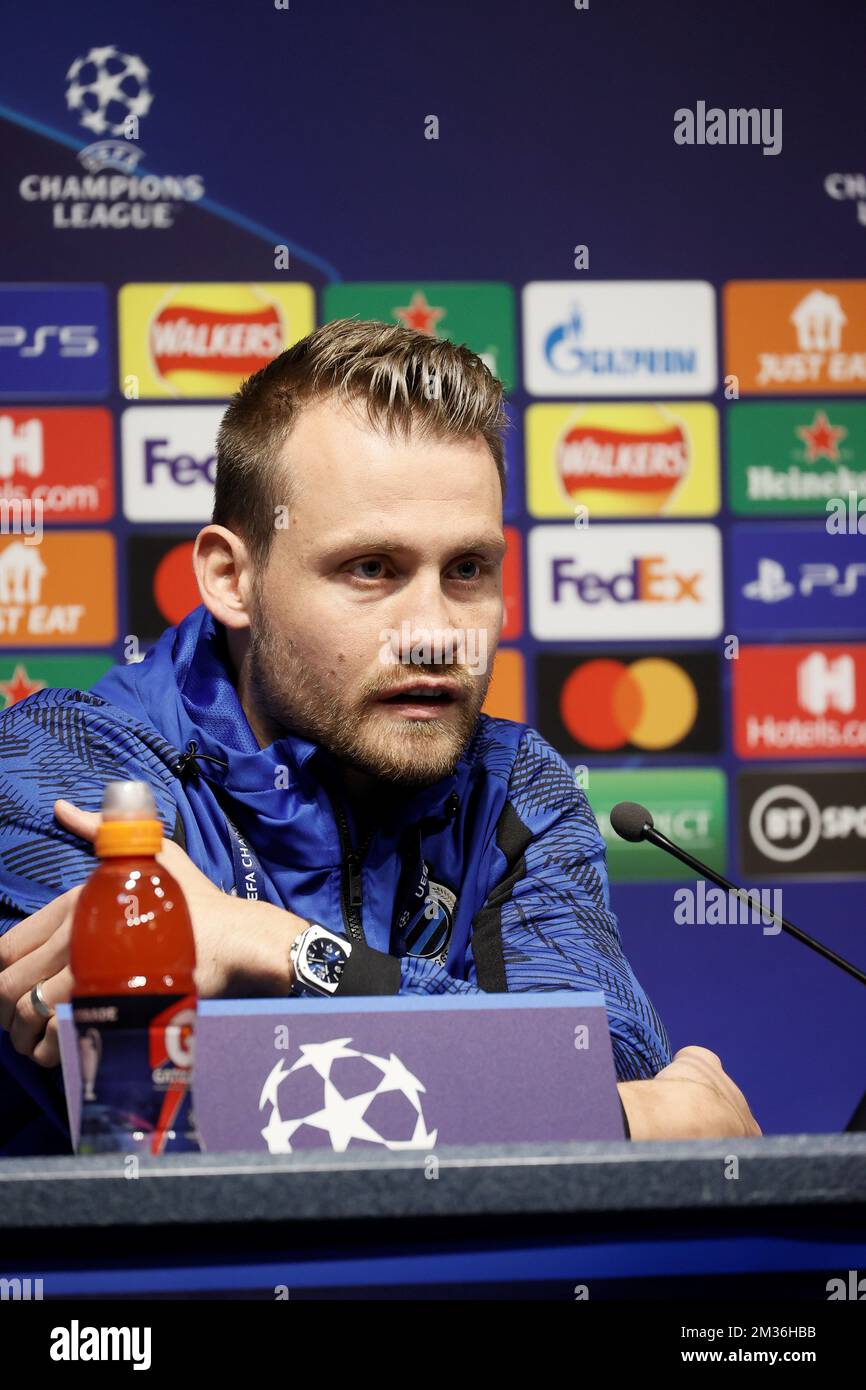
[(634, 822)]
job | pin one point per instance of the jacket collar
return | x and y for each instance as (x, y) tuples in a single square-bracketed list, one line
[(192, 661)]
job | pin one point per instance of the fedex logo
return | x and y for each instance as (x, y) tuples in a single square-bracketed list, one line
[(626, 581), (648, 580), (53, 340), (183, 469), (169, 461)]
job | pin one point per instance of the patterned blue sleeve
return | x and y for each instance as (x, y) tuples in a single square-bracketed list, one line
[(547, 923), (57, 744)]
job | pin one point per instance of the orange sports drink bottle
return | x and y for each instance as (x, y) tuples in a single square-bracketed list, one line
[(132, 955)]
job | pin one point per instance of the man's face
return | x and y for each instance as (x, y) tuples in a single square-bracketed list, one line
[(378, 614)]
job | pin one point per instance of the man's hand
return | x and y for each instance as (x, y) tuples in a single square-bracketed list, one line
[(241, 947), (691, 1098)]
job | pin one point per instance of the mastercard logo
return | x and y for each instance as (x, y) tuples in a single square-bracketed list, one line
[(651, 703), (174, 584), (623, 464)]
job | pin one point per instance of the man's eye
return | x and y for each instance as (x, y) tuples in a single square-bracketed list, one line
[(470, 565), (368, 569)]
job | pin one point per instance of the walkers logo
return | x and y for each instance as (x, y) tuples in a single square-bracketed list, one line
[(24, 676), (621, 338), (797, 579), (791, 459), (689, 805), (612, 701), (58, 460), (810, 823), (169, 461), (53, 341), (800, 702), (481, 315), (641, 581), (512, 584), (160, 582), (108, 93), (623, 460), (205, 339), (60, 593), (791, 336), (506, 694)]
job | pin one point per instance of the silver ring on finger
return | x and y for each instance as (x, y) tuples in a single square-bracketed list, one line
[(42, 1007)]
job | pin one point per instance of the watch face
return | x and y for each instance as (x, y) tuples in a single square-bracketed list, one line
[(325, 960)]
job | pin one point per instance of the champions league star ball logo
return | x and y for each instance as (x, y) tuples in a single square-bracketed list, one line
[(108, 91), (106, 87), (334, 1090)]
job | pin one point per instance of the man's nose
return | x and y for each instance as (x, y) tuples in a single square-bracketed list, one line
[(423, 610), (425, 602)]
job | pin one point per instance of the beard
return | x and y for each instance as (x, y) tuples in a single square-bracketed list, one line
[(356, 730)]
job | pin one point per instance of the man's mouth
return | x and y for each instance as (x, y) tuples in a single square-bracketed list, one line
[(427, 697)]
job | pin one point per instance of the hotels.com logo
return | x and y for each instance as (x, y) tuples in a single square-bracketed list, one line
[(799, 701), (59, 458)]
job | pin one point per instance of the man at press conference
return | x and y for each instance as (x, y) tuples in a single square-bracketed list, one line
[(342, 818)]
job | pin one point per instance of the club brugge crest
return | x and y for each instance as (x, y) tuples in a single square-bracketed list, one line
[(426, 925)]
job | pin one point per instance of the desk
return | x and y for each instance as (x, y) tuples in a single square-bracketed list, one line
[(626, 1220)]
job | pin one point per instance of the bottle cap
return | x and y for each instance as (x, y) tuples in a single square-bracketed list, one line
[(130, 824)]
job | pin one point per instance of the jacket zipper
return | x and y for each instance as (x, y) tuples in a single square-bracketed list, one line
[(352, 879)]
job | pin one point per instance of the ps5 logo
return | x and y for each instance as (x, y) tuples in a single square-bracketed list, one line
[(72, 339), (772, 584)]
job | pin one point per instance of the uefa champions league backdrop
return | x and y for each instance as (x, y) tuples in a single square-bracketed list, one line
[(649, 218)]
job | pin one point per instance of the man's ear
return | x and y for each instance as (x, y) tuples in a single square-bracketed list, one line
[(223, 571)]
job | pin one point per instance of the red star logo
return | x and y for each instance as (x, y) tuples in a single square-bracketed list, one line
[(419, 314), (19, 687), (821, 438)]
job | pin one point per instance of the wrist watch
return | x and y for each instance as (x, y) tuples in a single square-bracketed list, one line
[(318, 959)]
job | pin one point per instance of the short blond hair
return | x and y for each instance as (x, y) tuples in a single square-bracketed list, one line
[(406, 381)]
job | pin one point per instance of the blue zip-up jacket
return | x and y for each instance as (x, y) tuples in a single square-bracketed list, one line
[(493, 879)]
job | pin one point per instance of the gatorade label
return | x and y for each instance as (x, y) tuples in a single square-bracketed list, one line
[(136, 1054)]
